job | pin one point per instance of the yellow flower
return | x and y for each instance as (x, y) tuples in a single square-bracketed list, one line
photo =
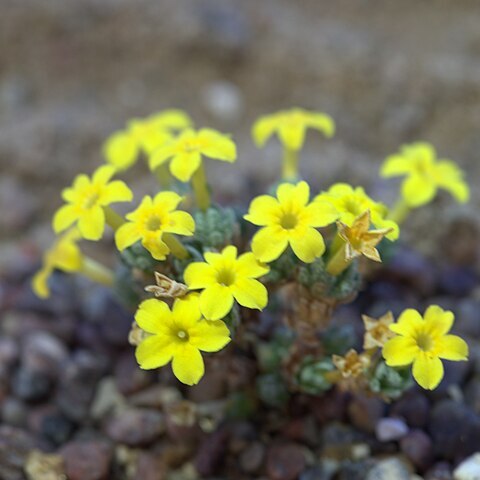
[(225, 278), (86, 199), (377, 332), (425, 174), (64, 255), (291, 220), (151, 220), (359, 240), (351, 202), (291, 125), (187, 149), (423, 341), (122, 148), (178, 335)]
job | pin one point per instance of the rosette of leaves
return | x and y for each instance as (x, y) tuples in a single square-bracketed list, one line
[(215, 227), (390, 382), (312, 375)]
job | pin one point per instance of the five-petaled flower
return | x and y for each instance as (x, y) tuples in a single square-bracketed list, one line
[(151, 220), (352, 365), (225, 278), (178, 335), (64, 255), (359, 240), (291, 220), (187, 149), (423, 341), (86, 199), (351, 202), (425, 174), (145, 135), (291, 125), (377, 331)]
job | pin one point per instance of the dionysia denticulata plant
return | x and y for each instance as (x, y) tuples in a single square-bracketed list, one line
[(205, 270)]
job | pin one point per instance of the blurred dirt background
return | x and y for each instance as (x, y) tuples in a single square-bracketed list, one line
[(389, 72)]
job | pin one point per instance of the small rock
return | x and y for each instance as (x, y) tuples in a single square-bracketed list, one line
[(223, 100), (285, 462), (417, 447), (43, 351), (354, 470), (252, 458), (13, 412), (107, 399), (389, 469), (458, 280), (156, 396), (466, 317), (57, 428), (130, 378), (31, 385), (414, 407), (15, 445), (316, 473), (365, 412), (9, 352), (440, 471), (136, 427), (390, 429), (211, 452), (469, 469), (43, 466), (87, 460), (149, 467)]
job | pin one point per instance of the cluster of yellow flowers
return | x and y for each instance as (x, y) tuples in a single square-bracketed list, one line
[(192, 320)]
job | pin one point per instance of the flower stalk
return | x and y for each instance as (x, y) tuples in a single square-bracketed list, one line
[(113, 219), (290, 164), (175, 246), (200, 188), (96, 272), (400, 211)]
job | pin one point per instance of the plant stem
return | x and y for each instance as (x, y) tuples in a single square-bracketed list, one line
[(113, 218), (399, 211), (163, 175), (177, 249), (200, 188), (96, 271), (290, 164), (338, 262)]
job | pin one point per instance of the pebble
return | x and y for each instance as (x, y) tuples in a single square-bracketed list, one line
[(31, 385), (285, 462), (211, 452), (457, 280), (150, 466), (469, 469), (390, 429), (57, 428), (9, 352), (43, 466), (15, 445), (13, 412), (417, 447), (440, 471), (136, 427), (107, 399), (43, 351), (389, 469), (414, 407), (365, 412), (130, 378), (87, 460), (329, 407), (252, 458), (455, 430), (155, 396)]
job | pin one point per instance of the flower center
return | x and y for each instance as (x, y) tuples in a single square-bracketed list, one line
[(424, 342), (90, 200), (226, 277), (289, 221), (182, 335), (153, 223)]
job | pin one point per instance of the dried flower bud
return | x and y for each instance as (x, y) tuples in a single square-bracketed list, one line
[(377, 332), (166, 287), (352, 364)]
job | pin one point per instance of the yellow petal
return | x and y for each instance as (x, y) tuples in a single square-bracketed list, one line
[(293, 194), (172, 119), (269, 243), (184, 165), (116, 191), (67, 256), (92, 223), (215, 302), (217, 145), (154, 352), (126, 235), (209, 336), (452, 347), (187, 365), (264, 210), (156, 246), (248, 266), (161, 155), (186, 311), (199, 275), (64, 217), (319, 214), (439, 321), (322, 122), (418, 190), (399, 351), (121, 150), (153, 316), (40, 282), (408, 322), (427, 371), (250, 293), (396, 165), (168, 200), (229, 253), (181, 223), (307, 244), (264, 128), (103, 174)]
